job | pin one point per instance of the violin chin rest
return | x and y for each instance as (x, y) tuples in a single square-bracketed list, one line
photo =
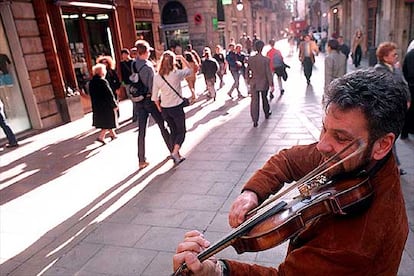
[(359, 207)]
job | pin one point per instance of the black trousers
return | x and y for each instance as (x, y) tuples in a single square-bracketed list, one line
[(255, 104), (175, 118), (307, 67), (144, 109)]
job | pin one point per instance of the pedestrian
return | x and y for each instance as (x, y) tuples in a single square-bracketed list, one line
[(249, 45), (408, 71), (254, 39), (344, 49), (292, 43), (236, 67), (209, 68), (307, 51), (358, 47), (242, 41), (259, 77), (388, 62), (133, 53), (111, 74), (167, 95), (191, 79), (146, 106), (335, 62), (277, 66), (126, 72), (11, 138), (104, 104), (194, 52), (221, 59), (364, 111)]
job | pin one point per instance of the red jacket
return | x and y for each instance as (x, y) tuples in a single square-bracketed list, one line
[(369, 243)]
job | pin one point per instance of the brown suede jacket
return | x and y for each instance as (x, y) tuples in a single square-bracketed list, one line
[(369, 243)]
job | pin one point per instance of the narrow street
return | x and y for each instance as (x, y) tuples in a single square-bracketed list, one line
[(70, 206)]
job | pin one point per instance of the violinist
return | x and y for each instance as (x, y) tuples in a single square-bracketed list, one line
[(366, 105)]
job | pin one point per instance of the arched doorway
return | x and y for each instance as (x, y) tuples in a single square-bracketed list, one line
[(175, 25)]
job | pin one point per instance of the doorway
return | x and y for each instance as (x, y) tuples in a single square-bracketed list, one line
[(89, 36)]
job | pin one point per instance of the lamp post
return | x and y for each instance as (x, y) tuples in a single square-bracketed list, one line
[(239, 5)]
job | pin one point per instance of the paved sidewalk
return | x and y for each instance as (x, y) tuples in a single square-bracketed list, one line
[(89, 212)]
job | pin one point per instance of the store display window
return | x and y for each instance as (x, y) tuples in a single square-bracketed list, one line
[(89, 36), (12, 105)]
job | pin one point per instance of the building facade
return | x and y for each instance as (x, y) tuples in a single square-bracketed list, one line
[(379, 20), (211, 22), (48, 48)]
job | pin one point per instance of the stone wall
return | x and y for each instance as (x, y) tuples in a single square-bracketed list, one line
[(35, 60)]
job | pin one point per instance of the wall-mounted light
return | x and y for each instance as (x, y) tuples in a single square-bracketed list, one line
[(239, 5), (335, 10)]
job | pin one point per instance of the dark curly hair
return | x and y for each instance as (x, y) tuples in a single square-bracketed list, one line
[(380, 97)]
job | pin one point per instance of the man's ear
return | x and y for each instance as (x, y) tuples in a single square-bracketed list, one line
[(383, 146)]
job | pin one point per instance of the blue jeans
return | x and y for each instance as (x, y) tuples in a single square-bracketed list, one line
[(7, 130)]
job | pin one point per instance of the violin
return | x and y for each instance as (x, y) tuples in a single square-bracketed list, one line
[(274, 222)]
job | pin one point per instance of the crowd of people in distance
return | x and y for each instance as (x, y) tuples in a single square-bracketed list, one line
[(244, 60)]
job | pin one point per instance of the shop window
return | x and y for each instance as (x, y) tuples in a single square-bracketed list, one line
[(89, 36), (144, 31), (220, 11), (175, 25), (12, 105), (174, 13)]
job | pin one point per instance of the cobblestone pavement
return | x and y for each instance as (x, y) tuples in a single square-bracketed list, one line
[(72, 207)]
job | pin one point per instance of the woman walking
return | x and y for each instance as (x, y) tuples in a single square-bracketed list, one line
[(358, 47), (167, 95), (104, 105)]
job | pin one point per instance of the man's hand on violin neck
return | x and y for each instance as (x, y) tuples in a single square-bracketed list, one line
[(243, 204), (187, 251)]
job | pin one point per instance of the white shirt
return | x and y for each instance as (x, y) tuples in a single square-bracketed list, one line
[(162, 91)]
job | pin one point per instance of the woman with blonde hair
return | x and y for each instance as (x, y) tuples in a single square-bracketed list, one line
[(358, 47), (104, 105), (167, 95)]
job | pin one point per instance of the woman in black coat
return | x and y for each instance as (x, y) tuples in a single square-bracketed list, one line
[(104, 105), (408, 71), (111, 74)]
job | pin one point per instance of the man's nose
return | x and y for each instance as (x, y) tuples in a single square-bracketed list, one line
[(324, 145)]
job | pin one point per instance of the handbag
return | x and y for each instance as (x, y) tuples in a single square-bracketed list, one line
[(186, 101)]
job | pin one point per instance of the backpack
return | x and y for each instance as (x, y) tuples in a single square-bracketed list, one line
[(137, 89), (277, 60)]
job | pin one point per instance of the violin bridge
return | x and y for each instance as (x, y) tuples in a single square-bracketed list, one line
[(307, 188)]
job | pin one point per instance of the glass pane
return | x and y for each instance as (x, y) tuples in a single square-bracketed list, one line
[(13, 107), (76, 45), (99, 34)]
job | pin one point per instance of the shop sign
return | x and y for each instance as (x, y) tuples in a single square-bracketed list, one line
[(143, 13)]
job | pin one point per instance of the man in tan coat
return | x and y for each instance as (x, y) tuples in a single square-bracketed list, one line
[(260, 78), (335, 62)]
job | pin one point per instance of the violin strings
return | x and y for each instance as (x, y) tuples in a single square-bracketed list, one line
[(318, 171)]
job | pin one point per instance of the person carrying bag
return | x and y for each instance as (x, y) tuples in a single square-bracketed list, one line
[(167, 95)]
